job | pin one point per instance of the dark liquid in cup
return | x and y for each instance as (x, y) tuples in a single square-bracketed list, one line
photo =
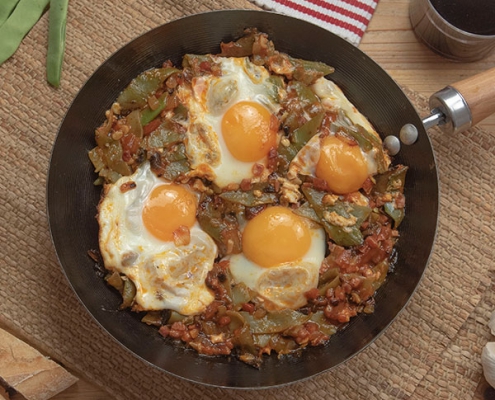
[(474, 16)]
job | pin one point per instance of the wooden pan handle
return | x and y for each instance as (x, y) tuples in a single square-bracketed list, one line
[(479, 93)]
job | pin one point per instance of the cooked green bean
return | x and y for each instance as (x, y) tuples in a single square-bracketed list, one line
[(306, 211), (397, 214), (241, 294), (322, 290), (6, 8), (297, 139), (323, 323), (163, 136), (221, 227), (300, 136), (392, 180), (153, 318), (56, 41), (382, 270), (115, 280), (148, 115), (309, 71), (240, 48), (136, 94), (249, 198), (19, 23), (343, 227), (274, 322), (128, 293), (355, 133)]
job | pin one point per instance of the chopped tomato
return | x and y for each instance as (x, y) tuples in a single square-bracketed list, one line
[(130, 146), (150, 127)]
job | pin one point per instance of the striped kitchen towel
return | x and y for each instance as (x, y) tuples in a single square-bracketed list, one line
[(346, 18)]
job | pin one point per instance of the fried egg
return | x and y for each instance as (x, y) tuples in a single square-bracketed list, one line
[(342, 165), (281, 257), (149, 232), (337, 160), (232, 122)]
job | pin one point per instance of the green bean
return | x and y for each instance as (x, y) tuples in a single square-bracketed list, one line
[(274, 322), (176, 169), (249, 198), (243, 338), (306, 211), (332, 284), (355, 133), (153, 318), (194, 60), (397, 214), (220, 227), (171, 163), (277, 84), (241, 294), (163, 136), (381, 269), (391, 181), (6, 8), (56, 41), (298, 138), (136, 94), (240, 48), (309, 71), (325, 326), (175, 317), (115, 280), (148, 115), (342, 235), (112, 156), (329, 275), (128, 293), (134, 122), (19, 23)]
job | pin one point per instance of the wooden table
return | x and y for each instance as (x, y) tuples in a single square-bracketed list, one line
[(390, 41)]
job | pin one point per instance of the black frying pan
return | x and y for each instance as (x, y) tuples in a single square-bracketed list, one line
[(72, 198)]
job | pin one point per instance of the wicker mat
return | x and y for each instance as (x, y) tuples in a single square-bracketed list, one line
[(431, 351)]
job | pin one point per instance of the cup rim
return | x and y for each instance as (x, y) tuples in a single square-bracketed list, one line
[(456, 29)]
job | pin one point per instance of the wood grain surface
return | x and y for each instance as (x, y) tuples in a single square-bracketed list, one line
[(390, 41)]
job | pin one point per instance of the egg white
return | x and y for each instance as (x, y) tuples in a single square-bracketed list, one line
[(333, 99), (283, 286), (207, 100), (166, 276)]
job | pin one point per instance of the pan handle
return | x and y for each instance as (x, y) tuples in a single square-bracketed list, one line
[(463, 104)]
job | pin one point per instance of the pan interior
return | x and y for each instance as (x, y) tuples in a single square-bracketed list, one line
[(72, 197)]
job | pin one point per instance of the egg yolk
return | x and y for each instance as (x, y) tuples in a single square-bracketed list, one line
[(248, 131), (341, 165), (276, 236), (169, 207)]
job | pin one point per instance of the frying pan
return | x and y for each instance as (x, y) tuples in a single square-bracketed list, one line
[(72, 198)]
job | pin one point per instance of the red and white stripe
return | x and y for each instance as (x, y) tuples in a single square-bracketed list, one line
[(346, 18)]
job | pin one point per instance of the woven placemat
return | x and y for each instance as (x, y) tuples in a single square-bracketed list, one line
[(431, 351)]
